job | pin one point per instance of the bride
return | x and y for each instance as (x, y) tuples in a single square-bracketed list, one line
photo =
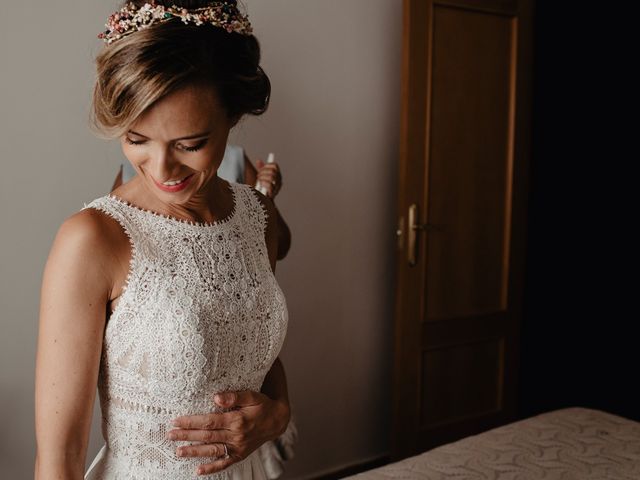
[(162, 293)]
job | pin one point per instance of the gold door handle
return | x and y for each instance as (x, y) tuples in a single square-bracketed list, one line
[(414, 226)]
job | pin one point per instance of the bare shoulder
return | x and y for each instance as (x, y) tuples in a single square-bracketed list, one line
[(87, 230), (87, 240), (271, 234)]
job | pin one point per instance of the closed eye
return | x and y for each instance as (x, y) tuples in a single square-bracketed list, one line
[(195, 148)]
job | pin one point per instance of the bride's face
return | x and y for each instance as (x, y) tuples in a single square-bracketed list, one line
[(182, 137)]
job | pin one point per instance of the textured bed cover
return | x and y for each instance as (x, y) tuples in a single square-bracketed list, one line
[(567, 444)]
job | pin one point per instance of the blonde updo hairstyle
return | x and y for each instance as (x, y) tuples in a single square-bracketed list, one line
[(137, 70)]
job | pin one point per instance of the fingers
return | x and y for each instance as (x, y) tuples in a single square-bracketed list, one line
[(213, 450), (208, 436), (208, 421), (209, 450), (267, 188), (243, 398), (215, 466), (268, 172), (215, 430), (226, 399), (271, 179), (271, 170)]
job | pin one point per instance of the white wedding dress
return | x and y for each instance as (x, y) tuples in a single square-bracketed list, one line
[(201, 313)]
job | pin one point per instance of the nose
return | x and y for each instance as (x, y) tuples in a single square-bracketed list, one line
[(162, 164)]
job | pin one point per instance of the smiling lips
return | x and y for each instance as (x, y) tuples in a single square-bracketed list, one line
[(173, 182), (174, 185)]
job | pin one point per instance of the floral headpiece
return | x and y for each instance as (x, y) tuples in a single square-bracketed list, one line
[(130, 18)]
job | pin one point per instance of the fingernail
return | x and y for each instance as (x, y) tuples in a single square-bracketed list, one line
[(175, 422)]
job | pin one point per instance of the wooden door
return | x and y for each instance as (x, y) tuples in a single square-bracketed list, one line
[(463, 183)]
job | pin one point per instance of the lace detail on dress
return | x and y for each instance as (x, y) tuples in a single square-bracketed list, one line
[(201, 312)]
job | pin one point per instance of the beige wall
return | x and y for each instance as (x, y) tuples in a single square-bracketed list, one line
[(333, 125)]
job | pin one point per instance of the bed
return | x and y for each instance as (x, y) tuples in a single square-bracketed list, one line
[(567, 444)]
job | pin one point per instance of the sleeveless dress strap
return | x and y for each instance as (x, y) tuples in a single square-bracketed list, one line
[(119, 213), (255, 212)]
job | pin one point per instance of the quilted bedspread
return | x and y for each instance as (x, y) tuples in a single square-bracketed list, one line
[(567, 444)]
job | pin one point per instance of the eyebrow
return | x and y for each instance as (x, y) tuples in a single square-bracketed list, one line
[(189, 137)]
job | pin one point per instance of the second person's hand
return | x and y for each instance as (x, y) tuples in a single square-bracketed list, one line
[(254, 419), (269, 176)]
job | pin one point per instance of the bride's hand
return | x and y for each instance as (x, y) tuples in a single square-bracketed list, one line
[(254, 419)]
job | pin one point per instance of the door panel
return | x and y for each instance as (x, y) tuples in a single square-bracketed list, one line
[(463, 187), (467, 188)]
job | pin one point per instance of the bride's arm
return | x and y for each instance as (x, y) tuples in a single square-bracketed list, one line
[(75, 291)]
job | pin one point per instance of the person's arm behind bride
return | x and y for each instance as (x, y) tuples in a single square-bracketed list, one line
[(74, 295)]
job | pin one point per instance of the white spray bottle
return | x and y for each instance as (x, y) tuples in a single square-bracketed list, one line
[(259, 187)]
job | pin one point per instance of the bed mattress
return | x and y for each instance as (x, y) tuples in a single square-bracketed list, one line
[(567, 444)]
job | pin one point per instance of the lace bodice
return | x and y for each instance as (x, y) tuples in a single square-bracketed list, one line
[(201, 312)]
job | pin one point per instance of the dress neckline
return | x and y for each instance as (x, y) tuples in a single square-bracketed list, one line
[(227, 219)]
